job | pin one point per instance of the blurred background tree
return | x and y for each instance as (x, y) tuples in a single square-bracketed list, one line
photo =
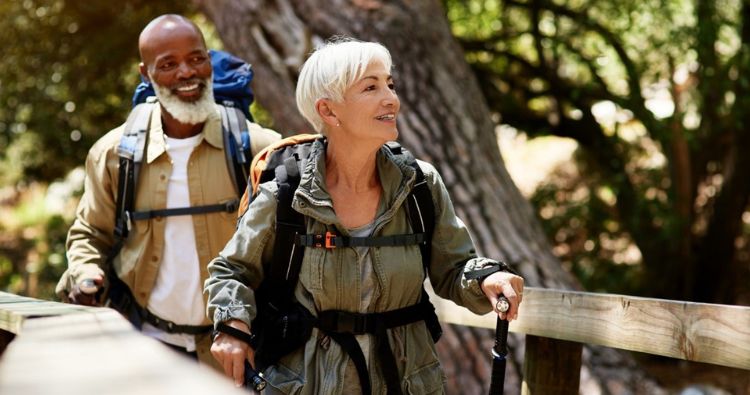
[(652, 92), (655, 93), (652, 202)]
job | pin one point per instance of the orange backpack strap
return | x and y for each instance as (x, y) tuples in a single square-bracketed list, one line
[(260, 163)]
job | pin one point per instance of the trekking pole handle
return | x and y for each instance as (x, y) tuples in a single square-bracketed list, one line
[(88, 286), (253, 378), (501, 329)]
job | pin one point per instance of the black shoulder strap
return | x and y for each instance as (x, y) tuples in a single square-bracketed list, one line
[(287, 257), (130, 150), (421, 210), (283, 272)]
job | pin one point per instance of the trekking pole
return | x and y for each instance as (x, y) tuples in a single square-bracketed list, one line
[(253, 379), (500, 351)]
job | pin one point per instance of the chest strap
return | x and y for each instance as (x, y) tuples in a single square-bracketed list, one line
[(228, 207), (330, 240)]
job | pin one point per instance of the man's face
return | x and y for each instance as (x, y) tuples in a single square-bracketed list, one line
[(176, 58)]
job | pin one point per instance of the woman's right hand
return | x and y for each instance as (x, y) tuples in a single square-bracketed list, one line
[(231, 352)]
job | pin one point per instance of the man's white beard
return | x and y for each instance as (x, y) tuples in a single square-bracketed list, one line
[(190, 113)]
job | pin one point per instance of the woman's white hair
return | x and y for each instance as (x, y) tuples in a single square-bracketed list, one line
[(331, 69)]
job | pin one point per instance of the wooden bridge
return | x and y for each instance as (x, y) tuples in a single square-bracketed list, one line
[(54, 348)]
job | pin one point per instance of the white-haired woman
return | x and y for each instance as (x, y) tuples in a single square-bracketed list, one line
[(355, 187)]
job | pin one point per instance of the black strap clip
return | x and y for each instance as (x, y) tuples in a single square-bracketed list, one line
[(232, 205)]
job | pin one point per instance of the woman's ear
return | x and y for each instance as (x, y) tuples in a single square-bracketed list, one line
[(323, 107)]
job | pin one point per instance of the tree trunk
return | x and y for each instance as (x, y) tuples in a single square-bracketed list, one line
[(444, 120)]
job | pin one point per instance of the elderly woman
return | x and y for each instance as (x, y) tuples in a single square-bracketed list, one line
[(354, 186)]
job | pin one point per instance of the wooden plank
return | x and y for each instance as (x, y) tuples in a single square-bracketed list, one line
[(99, 353), (551, 366), (15, 310), (711, 333)]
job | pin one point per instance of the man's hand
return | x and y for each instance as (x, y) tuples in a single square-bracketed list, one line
[(231, 352), (84, 292), (508, 284)]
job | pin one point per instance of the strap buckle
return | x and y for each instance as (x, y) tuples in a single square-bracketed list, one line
[(330, 240), (354, 323), (231, 206)]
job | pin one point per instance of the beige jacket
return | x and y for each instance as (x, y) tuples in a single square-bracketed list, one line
[(330, 279), (91, 235)]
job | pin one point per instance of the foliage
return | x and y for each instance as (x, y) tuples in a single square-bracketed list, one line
[(32, 249), (654, 93), (67, 76)]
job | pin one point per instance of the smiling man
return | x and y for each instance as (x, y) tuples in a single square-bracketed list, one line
[(162, 261)]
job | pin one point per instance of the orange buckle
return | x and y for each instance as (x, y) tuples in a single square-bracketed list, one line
[(330, 240)]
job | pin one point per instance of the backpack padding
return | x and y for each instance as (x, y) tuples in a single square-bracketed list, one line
[(130, 150), (236, 144), (261, 163)]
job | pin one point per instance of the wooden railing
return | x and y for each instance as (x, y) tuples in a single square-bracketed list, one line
[(59, 348), (557, 323), (56, 348)]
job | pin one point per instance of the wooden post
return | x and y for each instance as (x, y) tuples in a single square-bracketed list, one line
[(551, 366)]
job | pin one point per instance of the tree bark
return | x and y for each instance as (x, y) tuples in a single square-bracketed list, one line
[(444, 120)]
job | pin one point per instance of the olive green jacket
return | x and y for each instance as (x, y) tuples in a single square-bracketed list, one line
[(91, 236), (330, 279)]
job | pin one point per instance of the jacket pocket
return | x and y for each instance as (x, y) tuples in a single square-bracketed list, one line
[(283, 380), (134, 248), (313, 264), (428, 379)]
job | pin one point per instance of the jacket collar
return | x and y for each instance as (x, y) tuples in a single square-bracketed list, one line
[(312, 199), (157, 145)]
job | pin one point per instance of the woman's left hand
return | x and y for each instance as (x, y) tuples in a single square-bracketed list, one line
[(508, 284)]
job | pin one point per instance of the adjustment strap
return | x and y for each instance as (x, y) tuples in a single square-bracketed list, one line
[(351, 347), (229, 207), (330, 240), (481, 274), (235, 333), (387, 361)]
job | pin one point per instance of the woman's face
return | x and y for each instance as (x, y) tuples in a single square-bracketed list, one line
[(370, 106)]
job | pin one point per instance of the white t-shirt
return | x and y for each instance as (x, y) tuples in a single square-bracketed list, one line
[(177, 296)]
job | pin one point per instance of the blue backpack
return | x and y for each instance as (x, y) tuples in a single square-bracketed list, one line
[(232, 92)]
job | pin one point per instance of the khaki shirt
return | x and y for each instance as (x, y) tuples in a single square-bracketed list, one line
[(91, 236), (330, 279)]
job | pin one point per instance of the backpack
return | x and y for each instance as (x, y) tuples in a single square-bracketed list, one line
[(231, 87), (282, 324)]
